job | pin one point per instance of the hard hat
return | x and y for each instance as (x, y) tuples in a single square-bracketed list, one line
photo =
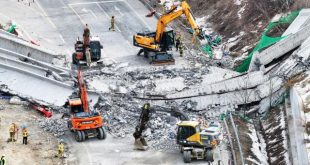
[(61, 141), (3, 155)]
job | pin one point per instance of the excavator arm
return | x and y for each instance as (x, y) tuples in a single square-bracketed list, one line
[(172, 15), (155, 45), (83, 92), (140, 142)]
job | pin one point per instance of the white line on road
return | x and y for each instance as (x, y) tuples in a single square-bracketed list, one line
[(117, 9), (46, 16), (60, 36), (88, 3), (138, 15), (77, 14), (80, 17), (93, 14)]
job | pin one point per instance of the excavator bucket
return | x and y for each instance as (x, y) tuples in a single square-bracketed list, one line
[(140, 144)]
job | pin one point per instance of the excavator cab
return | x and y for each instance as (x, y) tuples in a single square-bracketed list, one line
[(167, 42), (95, 48), (194, 142), (81, 51), (75, 105), (159, 56)]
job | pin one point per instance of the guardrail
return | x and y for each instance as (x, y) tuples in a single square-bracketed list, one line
[(230, 141), (237, 137)]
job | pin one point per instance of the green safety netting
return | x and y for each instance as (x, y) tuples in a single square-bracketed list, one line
[(266, 41), (207, 48)]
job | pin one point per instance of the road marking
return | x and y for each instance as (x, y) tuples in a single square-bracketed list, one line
[(60, 36), (93, 14), (107, 16), (138, 15), (47, 17), (89, 11), (88, 3), (117, 9), (80, 17), (77, 15)]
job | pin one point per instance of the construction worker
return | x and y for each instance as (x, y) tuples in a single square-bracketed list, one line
[(86, 35), (178, 39), (61, 149), (2, 160), (25, 135), (181, 49), (112, 24), (13, 130)]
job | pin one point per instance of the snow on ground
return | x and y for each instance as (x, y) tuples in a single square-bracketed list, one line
[(303, 90), (240, 12), (275, 135), (237, 2), (258, 147), (169, 3)]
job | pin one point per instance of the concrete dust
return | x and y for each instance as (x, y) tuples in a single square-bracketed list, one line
[(41, 146)]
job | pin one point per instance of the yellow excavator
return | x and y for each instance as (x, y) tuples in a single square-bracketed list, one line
[(194, 140), (155, 45)]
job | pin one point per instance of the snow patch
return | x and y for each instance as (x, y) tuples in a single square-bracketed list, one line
[(237, 2), (258, 148)]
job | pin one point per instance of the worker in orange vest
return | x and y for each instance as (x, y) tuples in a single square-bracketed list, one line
[(61, 149), (13, 130), (25, 136)]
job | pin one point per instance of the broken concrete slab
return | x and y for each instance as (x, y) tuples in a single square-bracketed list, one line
[(14, 43)]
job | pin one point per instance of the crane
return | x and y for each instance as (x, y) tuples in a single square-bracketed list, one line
[(155, 45)]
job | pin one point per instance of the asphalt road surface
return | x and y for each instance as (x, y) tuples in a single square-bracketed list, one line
[(70, 17)]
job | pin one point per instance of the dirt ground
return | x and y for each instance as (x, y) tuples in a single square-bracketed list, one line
[(42, 146)]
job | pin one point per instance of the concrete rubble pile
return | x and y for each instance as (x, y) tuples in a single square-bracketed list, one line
[(142, 80), (55, 126)]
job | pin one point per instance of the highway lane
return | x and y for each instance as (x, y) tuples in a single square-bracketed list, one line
[(69, 17)]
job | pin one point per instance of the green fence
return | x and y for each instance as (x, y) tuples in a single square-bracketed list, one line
[(266, 41)]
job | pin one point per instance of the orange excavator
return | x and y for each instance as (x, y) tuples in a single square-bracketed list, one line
[(84, 122)]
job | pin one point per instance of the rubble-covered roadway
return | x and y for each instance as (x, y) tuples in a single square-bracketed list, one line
[(125, 82)]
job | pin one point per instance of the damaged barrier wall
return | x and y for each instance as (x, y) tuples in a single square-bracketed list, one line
[(13, 43), (277, 50), (8, 54)]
